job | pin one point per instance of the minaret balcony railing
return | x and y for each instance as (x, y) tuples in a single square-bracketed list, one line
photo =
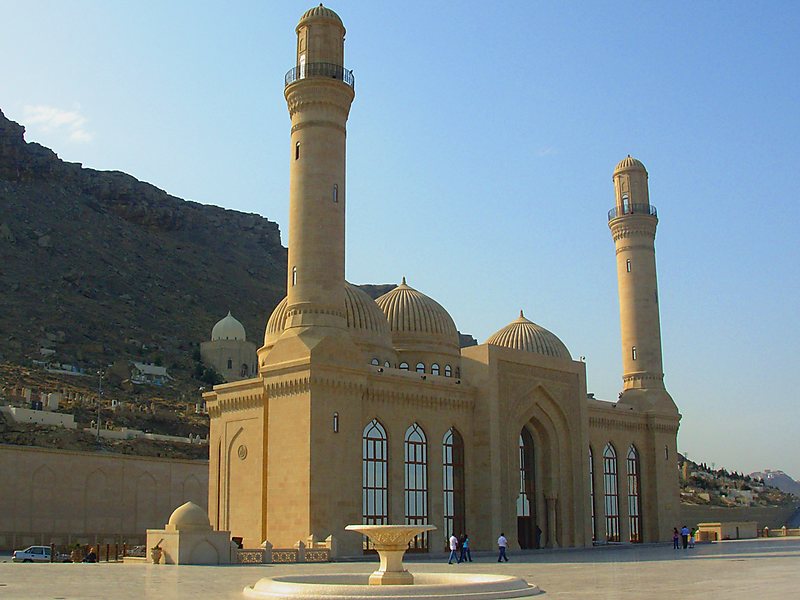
[(632, 209), (320, 70)]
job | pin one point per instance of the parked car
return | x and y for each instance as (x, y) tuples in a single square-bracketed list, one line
[(37, 554)]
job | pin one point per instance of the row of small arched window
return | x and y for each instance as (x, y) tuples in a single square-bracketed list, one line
[(421, 368)]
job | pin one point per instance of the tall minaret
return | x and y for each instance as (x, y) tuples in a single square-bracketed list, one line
[(633, 224), (319, 91)]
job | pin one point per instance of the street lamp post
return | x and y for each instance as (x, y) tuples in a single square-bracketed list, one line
[(99, 400)]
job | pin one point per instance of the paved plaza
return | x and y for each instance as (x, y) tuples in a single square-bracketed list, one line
[(762, 569)]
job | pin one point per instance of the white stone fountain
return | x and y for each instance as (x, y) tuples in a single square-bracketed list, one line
[(391, 580)]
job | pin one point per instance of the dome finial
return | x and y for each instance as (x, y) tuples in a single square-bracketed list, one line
[(404, 280), (521, 314)]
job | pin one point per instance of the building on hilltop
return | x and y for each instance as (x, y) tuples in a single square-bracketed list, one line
[(229, 352), (368, 411)]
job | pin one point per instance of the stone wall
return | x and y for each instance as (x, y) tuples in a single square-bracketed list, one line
[(771, 517), (65, 496)]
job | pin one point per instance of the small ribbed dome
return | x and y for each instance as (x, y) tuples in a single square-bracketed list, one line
[(189, 516), (228, 329), (412, 313), (364, 319), (320, 12), (275, 324), (526, 335), (629, 164)]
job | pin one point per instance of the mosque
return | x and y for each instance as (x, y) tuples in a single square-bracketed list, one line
[(368, 411)]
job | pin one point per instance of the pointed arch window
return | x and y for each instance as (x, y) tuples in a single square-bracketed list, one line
[(420, 367), (448, 371), (611, 493), (416, 483), (435, 369), (404, 366), (591, 494), (375, 480), (453, 478), (634, 495)]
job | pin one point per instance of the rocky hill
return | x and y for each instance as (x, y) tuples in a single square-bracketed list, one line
[(96, 266), (778, 479)]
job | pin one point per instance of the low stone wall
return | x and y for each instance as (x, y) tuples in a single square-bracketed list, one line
[(772, 517), (69, 497)]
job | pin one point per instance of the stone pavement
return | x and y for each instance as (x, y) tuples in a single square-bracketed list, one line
[(762, 569)]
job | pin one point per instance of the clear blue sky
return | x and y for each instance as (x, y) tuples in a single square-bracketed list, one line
[(480, 150)]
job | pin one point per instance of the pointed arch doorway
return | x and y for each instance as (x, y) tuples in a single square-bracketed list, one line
[(528, 530)]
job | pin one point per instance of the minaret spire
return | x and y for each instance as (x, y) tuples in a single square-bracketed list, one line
[(319, 91), (633, 222)]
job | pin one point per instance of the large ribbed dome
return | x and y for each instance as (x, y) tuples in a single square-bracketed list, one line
[(629, 164), (228, 329), (365, 320), (320, 12), (412, 313), (526, 335)]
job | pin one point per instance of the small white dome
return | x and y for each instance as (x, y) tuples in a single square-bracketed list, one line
[(228, 329), (189, 516)]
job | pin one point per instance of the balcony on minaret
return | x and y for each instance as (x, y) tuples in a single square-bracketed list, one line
[(647, 210), (320, 70)]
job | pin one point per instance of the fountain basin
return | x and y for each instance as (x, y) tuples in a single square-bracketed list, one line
[(430, 586)]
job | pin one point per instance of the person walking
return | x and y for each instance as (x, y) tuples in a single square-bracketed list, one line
[(502, 544), (453, 550), (685, 536), (676, 538), (692, 535), (466, 555)]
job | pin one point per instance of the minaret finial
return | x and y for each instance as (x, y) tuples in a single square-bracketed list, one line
[(404, 281), (521, 314)]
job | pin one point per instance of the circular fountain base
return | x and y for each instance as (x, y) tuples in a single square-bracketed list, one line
[(430, 586)]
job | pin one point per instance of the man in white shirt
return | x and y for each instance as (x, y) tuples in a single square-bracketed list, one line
[(502, 544), (453, 550)]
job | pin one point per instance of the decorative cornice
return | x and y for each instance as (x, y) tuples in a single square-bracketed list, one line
[(231, 403), (631, 422), (415, 395)]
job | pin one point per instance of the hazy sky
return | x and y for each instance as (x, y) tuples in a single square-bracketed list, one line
[(481, 145)]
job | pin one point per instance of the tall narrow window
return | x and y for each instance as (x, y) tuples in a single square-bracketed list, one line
[(634, 496), (302, 66), (336, 422), (591, 494), (628, 265), (610, 493), (420, 367), (526, 500), (416, 484), (435, 369), (294, 276), (404, 366), (633, 352), (448, 371), (230, 363), (335, 193), (453, 478), (375, 481), (626, 204), (296, 150)]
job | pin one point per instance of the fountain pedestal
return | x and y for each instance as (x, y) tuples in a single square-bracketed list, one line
[(391, 543)]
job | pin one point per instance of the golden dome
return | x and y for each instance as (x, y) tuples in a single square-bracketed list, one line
[(320, 12), (365, 320), (412, 314), (629, 164), (188, 516), (527, 336), (228, 329)]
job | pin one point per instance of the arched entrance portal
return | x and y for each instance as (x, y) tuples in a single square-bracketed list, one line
[(528, 531)]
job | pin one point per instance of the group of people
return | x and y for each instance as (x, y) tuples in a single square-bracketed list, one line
[(459, 549), (683, 537)]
